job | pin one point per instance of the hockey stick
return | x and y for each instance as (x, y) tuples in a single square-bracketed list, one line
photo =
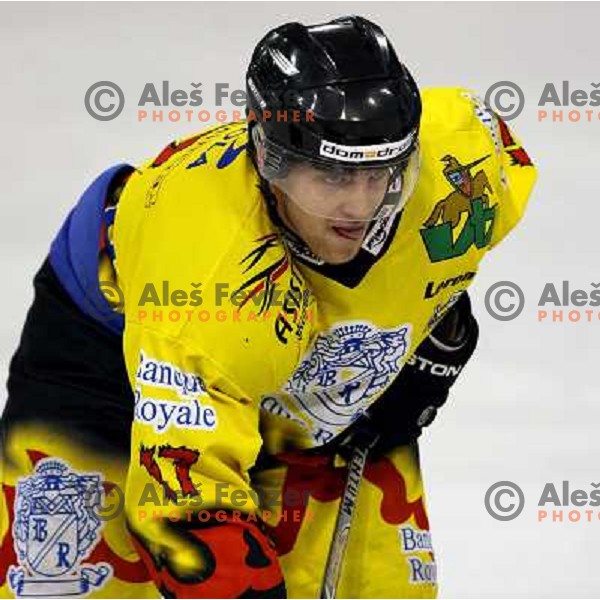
[(337, 550)]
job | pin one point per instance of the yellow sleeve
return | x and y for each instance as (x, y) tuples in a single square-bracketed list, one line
[(519, 175), (184, 400), (195, 434), (190, 507)]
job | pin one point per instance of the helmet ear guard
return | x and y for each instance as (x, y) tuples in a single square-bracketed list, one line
[(271, 164), (257, 136)]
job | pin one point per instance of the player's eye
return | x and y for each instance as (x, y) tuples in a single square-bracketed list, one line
[(378, 174), (339, 179), (335, 177)]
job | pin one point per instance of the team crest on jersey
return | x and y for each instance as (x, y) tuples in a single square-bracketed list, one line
[(344, 371), (447, 233), (56, 527)]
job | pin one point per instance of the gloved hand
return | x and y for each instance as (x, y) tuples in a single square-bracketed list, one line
[(423, 385)]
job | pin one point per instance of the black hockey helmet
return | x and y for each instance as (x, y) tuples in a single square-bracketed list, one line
[(337, 97)]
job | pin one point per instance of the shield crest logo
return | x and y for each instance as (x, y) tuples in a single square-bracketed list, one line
[(346, 370), (56, 527)]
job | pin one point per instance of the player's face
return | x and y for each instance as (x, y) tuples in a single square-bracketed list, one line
[(331, 210)]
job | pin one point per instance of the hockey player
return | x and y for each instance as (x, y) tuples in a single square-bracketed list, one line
[(281, 283)]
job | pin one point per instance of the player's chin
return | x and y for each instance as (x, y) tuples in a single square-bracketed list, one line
[(337, 252)]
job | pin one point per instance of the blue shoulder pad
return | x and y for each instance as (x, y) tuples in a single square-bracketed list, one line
[(74, 253)]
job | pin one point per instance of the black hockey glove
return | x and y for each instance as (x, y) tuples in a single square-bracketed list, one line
[(423, 385)]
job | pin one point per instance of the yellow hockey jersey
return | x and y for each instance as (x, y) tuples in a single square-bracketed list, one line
[(234, 345)]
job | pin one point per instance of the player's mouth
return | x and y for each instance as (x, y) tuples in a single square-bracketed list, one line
[(351, 232)]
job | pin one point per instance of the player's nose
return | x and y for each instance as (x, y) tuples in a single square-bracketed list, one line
[(362, 200)]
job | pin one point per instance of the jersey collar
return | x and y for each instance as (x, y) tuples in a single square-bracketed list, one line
[(377, 241)]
